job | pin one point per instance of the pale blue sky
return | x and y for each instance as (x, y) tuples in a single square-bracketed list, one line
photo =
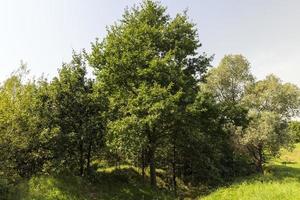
[(44, 32)]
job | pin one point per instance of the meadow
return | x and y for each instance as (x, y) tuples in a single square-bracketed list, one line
[(280, 181)]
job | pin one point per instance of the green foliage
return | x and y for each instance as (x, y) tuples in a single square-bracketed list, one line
[(266, 128), (294, 129), (50, 127), (148, 110), (17, 125), (272, 95), (72, 97), (227, 84), (229, 81), (271, 104), (149, 66), (152, 105)]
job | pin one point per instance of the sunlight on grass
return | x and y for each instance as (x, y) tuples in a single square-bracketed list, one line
[(282, 182), (118, 183)]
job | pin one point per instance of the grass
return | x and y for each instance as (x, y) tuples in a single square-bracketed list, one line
[(281, 181), (110, 184)]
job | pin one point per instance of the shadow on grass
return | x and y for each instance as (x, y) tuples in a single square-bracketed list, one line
[(288, 163), (282, 172), (274, 174), (115, 185), (127, 183)]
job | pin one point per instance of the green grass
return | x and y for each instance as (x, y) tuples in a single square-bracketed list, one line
[(281, 181), (108, 184)]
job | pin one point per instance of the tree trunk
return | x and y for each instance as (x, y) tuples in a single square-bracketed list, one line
[(258, 157), (260, 160), (143, 165), (174, 169), (81, 159), (152, 166), (88, 158)]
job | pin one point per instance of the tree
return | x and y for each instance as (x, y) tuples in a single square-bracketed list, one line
[(272, 104), (228, 84), (229, 81), (18, 138), (264, 136), (77, 113), (272, 95), (146, 123), (148, 57)]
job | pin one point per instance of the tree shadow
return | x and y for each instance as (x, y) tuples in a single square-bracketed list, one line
[(282, 172), (274, 173), (115, 185), (288, 162), (127, 183)]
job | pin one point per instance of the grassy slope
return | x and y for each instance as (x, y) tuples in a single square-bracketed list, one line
[(109, 184), (282, 181)]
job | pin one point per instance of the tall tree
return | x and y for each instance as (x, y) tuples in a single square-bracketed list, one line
[(228, 84), (148, 57)]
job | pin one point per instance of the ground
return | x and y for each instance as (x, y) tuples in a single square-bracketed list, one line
[(109, 184), (280, 182)]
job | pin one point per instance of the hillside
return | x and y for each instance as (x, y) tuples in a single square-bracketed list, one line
[(281, 181), (110, 183)]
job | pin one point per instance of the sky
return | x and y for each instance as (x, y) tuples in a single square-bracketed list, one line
[(43, 33)]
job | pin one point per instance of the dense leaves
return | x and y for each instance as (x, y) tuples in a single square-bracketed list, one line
[(152, 103), (150, 67)]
